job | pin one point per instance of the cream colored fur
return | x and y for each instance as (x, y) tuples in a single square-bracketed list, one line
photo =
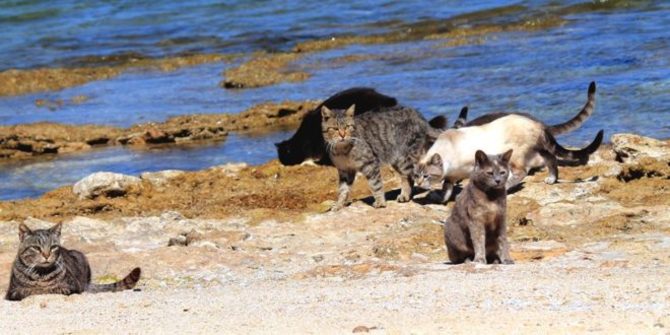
[(457, 147)]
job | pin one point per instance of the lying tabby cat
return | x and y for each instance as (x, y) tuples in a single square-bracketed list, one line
[(363, 142), (43, 266)]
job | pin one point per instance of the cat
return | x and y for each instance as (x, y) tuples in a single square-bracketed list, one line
[(307, 142), (555, 130), (450, 158), (363, 142), (43, 266), (476, 229)]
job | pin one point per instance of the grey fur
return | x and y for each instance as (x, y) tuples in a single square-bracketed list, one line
[(43, 266), (476, 229), (363, 143)]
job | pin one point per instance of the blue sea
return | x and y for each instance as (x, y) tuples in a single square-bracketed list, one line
[(622, 45)]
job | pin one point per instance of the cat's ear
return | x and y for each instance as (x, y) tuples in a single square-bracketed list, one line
[(23, 231), (326, 113), (481, 158), (350, 111), (436, 160), (506, 156), (56, 229)]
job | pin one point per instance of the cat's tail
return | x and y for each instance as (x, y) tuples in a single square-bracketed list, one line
[(579, 119), (436, 126), (439, 122), (582, 154), (124, 284), (462, 118)]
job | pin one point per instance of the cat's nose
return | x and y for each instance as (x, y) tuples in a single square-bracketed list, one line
[(46, 254), (341, 132)]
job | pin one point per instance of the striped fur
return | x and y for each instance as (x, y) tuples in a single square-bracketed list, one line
[(461, 121), (363, 143), (43, 266), (555, 130), (579, 119)]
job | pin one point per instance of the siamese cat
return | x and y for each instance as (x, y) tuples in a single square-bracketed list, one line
[(450, 158), (555, 130)]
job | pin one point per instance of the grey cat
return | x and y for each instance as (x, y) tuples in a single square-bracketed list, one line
[(43, 266), (477, 228), (363, 143)]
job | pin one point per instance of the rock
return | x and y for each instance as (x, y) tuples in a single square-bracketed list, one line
[(186, 239), (629, 148), (104, 183), (363, 329), (172, 216), (179, 240), (160, 178), (231, 169), (543, 245)]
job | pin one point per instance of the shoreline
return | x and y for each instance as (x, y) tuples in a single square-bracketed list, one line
[(263, 68), (44, 138), (596, 243)]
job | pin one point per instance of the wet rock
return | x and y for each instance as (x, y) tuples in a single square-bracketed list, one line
[(160, 178), (263, 70), (104, 183)]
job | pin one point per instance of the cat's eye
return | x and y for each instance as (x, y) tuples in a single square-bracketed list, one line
[(502, 173), (490, 173), (54, 247)]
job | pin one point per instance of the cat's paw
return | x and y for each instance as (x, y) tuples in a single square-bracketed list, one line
[(335, 207), (507, 261), (379, 204), (403, 198), (550, 180), (480, 260)]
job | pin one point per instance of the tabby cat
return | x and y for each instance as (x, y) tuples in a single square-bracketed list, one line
[(364, 142), (43, 266), (476, 229), (307, 142)]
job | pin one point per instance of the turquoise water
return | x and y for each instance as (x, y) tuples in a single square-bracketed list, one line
[(623, 45)]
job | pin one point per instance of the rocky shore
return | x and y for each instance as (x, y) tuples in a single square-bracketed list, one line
[(258, 243), (28, 140), (25, 81)]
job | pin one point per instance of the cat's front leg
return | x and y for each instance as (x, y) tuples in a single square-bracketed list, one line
[(405, 189), (503, 245), (346, 179), (478, 236), (374, 176), (516, 176), (16, 294)]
